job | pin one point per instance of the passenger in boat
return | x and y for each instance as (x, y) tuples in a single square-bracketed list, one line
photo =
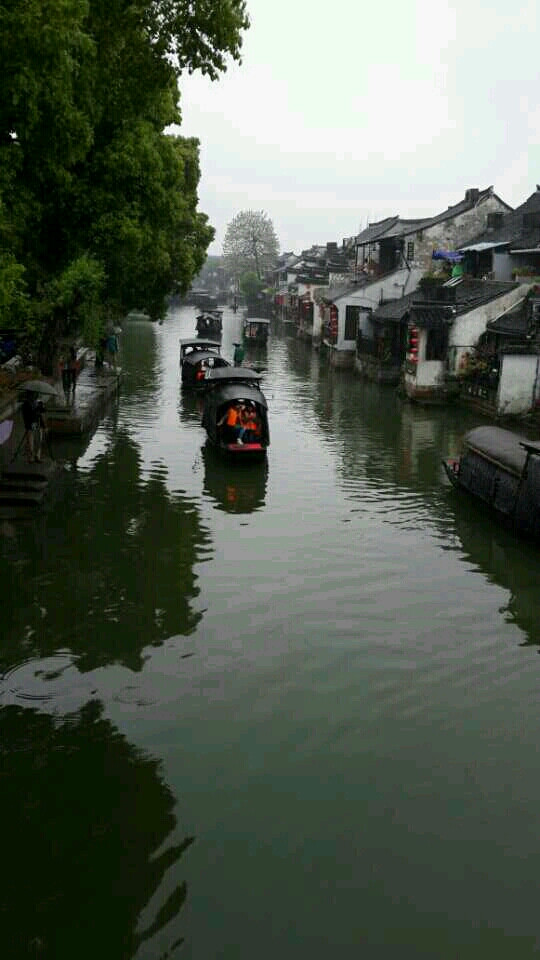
[(230, 421), (251, 425)]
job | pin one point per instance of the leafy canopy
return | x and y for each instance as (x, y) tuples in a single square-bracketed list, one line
[(98, 205)]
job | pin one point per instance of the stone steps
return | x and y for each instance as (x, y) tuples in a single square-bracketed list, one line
[(25, 484)]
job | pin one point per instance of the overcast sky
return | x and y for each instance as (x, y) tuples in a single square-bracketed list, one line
[(344, 111)]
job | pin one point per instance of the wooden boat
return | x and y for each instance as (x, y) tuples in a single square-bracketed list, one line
[(226, 388), (255, 330), (502, 469), (209, 323), (204, 300), (197, 359)]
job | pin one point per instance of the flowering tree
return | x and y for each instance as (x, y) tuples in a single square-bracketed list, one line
[(250, 243)]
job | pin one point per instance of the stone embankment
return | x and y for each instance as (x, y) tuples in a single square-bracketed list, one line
[(24, 484)]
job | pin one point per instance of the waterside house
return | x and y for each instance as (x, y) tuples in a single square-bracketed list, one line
[(298, 280), (501, 375), (445, 323), (390, 258), (509, 246), (392, 242), (381, 344), (346, 310)]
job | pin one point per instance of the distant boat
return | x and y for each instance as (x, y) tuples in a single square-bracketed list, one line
[(209, 323), (197, 359), (255, 330), (501, 469)]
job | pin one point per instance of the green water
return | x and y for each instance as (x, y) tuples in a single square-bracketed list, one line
[(290, 710)]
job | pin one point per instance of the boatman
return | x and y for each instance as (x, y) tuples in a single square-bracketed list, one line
[(238, 356)]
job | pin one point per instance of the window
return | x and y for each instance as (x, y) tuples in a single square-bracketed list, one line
[(437, 343), (351, 322), (410, 250)]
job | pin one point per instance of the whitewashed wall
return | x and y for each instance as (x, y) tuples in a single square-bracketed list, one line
[(517, 383), (467, 329), (502, 265), (392, 287)]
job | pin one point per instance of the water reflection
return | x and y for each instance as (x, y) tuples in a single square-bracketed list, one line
[(110, 575), (88, 838), (140, 361), (190, 406), (505, 559), (234, 489)]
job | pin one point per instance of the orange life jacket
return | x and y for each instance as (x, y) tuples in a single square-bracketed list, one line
[(232, 417)]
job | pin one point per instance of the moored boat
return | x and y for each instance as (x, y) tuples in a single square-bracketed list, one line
[(502, 469), (197, 359), (228, 392)]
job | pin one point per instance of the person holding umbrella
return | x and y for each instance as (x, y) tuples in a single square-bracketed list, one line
[(32, 410)]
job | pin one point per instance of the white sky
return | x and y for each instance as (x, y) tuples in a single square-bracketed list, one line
[(343, 111)]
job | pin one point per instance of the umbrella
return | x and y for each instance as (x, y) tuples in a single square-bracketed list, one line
[(39, 386), (454, 256), (5, 430)]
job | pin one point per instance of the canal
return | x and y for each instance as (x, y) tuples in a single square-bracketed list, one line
[(290, 710)]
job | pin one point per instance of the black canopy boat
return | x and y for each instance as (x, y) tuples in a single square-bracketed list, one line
[(209, 323), (256, 330), (197, 359), (502, 469), (227, 389)]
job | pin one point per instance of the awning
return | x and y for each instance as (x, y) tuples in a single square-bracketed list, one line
[(479, 247), (452, 255)]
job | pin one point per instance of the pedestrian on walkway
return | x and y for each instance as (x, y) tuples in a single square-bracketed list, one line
[(73, 367), (32, 410)]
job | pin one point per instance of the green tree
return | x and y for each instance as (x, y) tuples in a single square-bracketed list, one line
[(250, 244), (250, 285), (91, 185)]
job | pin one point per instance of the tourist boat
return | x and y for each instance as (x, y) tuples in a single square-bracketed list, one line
[(209, 323), (255, 330), (225, 389), (203, 300), (502, 469), (197, 359)]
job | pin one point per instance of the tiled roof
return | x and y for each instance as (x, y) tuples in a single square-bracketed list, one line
[(375, 230), (463, 297), (397, 227), (513, 323), (512, 229), (394, 310), (341, 290)]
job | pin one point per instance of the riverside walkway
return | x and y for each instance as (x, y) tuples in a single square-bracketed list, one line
[(23, 484), (95, 387)]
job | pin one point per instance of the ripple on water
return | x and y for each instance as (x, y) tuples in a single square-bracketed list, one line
[(46, 681)]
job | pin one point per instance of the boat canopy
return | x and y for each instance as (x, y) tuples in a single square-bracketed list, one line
[(233, 374), (499, 445), (199, 344), (232, 392), (197, 356)]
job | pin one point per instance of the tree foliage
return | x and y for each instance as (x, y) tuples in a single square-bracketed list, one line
[(250, 243), (98, 205), (250, 285)]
